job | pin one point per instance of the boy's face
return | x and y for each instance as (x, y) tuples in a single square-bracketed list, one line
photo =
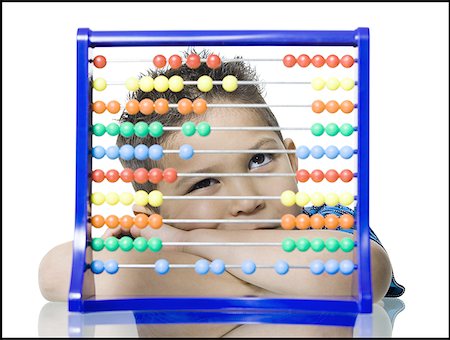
[(258, 162)]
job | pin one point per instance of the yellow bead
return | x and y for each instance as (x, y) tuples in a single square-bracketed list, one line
[(99, 84), (333, 84), (176, 84), (302, 199), (112, 198), (346, 198), (161, 83), (347, 84), (141, 198), (132, 84), (318, 84), (331, 199), (126, 198), (230, 83), (205, 83), (155, 198), (146, 84), (97, 198), (287, 198), (317, 199)]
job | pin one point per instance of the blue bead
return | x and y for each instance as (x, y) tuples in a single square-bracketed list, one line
[(155, 152), (317, 267), (332, 152), (302, 152), (112, 152), (162, 266), (98, 152), (346, 152), (141, 152), (202, 267), (248, 267), (281, 267), (332, 266), (186, 151), (317, 151), (217, 267), (346, 267), (97, 266), (111, 266), (126, 152)]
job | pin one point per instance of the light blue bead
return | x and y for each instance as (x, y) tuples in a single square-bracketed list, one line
[(217, 267), (332, 266), (97, 266), (186, 151), (332, 152), (111, 266), (126, 152), (346, 267), (302, 152), (141, 152), (317, 267), (248, 267), (112, 152), (98, 152), (162, 266), (317, 151), (346, 152), (202, 266), (155, 152), (281, 267)]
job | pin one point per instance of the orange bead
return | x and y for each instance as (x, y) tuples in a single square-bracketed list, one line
[(347, 106), (146, 106), (302, 221), (199, 106), (185, 106), (132, 107), (99, 106), (97, 221), (126, 221), (346, 221), (317, 221), (318, 106), (141, 221), (331, 221), (332, 106), (113, 106), (155, 221), (112, 221), (161, 106), (288, 222)]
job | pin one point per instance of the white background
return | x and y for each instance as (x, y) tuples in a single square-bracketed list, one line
[(409, 133)]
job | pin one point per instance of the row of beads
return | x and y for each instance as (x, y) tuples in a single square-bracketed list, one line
[(317, 175), (318, 152), (332, 84), (140, 175), (317, 244), (289, 198), (126, 243), (141, 221), (332, 106), (332, 129), (317, 221), (318, 61)]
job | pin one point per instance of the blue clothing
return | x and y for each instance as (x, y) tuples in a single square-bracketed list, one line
[(395, 289)]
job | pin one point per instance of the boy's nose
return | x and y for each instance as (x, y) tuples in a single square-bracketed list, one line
[(246, 207), (244, 187)]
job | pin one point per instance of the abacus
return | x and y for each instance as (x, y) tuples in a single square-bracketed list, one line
[(357, 41)]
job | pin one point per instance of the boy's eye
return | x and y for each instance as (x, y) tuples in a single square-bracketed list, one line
[(203, 184), (259, 160)]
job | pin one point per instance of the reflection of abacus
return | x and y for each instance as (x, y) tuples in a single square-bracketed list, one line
[(358, 268)]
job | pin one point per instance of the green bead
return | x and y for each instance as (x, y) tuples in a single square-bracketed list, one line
[(99, 129), (141, 129), (347, 244), (288, 245), (156, 129), (332, 129), (203, 129), (332, 244), (188, 129), (154, 244), (346, 129), (140, 244), (317, 129), (317, 244), (303, 244), (111, 243), (127, 129), (126, 243), (97, 244), (113, 129)]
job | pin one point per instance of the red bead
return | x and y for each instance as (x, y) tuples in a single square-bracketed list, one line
[(302, 175), (99, 61), (141, 175), (303, 60), (347, 61), (155, 175), (127, 175), (332, 61), (289, 60), (159, 61), (98, 176), (175, 61), (346, 175), (318, 60), (213, 61), (332, 175), (193, 61), (170, 175), (317, 176), (112, 175)]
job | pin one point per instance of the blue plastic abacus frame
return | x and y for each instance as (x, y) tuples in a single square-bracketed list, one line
[(82, 300)]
